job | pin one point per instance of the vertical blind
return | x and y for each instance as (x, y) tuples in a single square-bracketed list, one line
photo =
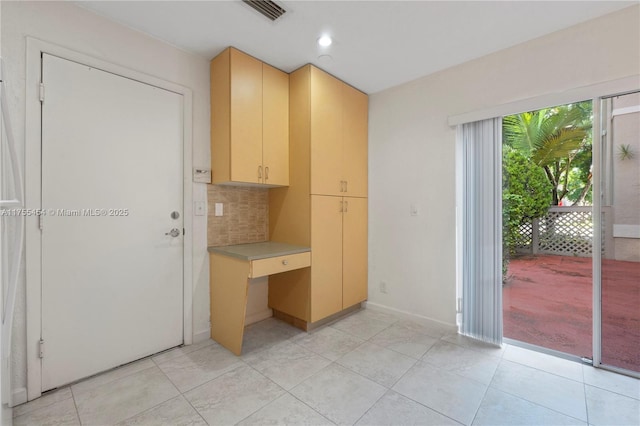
[(481, 227), (11, 227)]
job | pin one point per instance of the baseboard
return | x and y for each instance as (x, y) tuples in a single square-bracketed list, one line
[(258, 316), (18, 396), (6, 415), (410, 316), (201, 336)]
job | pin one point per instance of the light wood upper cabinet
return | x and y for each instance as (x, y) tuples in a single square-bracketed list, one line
[(249, 121), (326, 133), (339, 116), (275, 126), (246, 117), (355, 115)]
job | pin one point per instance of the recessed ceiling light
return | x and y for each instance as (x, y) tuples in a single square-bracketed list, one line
[(325, 41)]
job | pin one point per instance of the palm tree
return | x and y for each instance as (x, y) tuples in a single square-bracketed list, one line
[(554, 138)]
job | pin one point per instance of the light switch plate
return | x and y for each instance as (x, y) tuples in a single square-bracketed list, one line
[(218, 209)]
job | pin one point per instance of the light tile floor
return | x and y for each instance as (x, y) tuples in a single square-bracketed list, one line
[(367, 369)]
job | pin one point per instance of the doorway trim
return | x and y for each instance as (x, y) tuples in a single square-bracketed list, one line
[(33, 191)]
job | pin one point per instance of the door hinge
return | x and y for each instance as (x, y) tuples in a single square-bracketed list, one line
[(41, 92), (40, 222), (182, 231), (41, 343)]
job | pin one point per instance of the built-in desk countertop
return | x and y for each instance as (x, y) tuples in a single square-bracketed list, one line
[(256, 251), (231, 268)]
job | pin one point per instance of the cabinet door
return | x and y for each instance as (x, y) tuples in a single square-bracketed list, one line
[(326, 256), (326, 133), (275, 126), (221, 117), (246, 117), (354, 255), (355, 141)]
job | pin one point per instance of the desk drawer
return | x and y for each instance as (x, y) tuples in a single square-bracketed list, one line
[(275, 265)]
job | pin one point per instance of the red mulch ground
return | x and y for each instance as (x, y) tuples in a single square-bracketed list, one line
[(547, 302)]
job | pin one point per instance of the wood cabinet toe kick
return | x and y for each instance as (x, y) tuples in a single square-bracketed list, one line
[(231, 270)]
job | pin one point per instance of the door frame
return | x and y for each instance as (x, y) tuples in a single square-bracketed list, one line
[(33, 193)]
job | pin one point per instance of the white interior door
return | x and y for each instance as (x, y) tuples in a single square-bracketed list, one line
[(112, 286)]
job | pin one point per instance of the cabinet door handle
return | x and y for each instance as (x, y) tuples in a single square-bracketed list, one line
[(341, 186), (285, 262), (341, 206), (346, 186), (259, 172), (266, 173), (346, 206)]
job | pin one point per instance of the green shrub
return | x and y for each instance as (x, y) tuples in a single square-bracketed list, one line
[(526, 195)]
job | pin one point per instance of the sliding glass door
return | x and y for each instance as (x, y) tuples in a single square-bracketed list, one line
[(570, 230), (548, 228), (567, 259), (617, 292)]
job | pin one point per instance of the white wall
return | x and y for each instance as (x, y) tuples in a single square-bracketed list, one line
[(412, 150), (74, 28)]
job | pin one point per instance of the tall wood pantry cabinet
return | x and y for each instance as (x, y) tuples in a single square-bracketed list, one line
[(325, 206), (249, 121)]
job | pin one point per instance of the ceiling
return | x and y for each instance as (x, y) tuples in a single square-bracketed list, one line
[(377, 44)]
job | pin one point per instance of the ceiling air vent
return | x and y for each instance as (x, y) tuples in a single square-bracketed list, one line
[(267, 8)]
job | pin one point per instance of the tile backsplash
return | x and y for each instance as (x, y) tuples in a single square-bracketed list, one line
[(245, 215)]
